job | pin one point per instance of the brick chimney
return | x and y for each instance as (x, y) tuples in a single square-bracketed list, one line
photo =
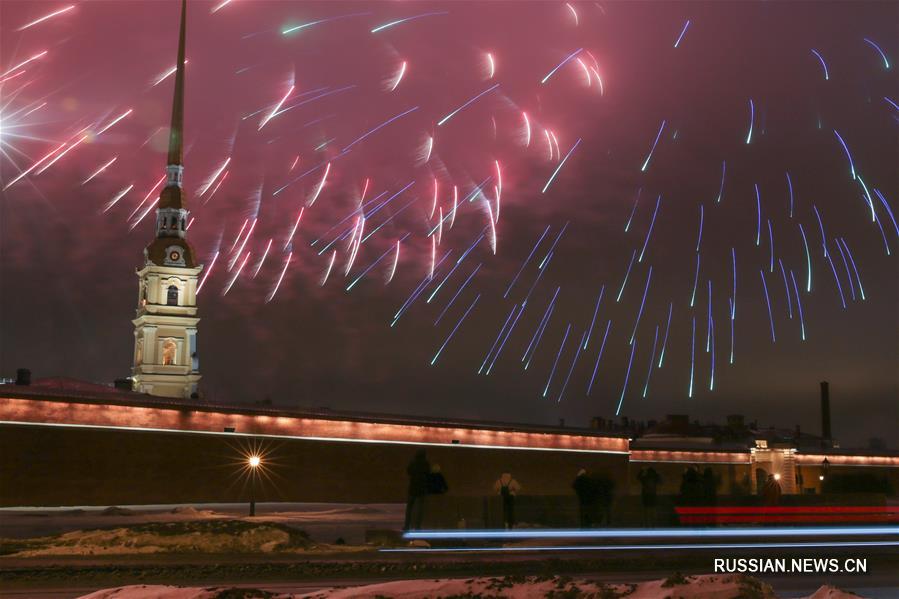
[(825, 411)]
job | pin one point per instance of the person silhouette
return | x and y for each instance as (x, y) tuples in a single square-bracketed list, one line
[(418, 471), (507, 487), (649, 483)]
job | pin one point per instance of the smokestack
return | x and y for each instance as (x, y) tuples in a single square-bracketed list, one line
[(825, 410), (23, 376)]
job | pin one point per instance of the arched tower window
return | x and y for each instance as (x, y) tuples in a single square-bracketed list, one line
[(169, 351), (172, 299)]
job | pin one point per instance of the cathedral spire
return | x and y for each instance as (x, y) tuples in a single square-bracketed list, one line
[(170, 246), (176, 141), (172, 195)]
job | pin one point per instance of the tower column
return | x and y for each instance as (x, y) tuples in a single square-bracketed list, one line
[(165, 326)]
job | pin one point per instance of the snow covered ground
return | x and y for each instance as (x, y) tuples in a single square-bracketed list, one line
[(676, 587), (324, 522)]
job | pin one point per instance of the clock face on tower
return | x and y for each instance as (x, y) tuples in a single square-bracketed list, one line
[(174, 256)]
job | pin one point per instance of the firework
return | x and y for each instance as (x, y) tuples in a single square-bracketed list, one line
[(627, 376), (561, 64), (466, 104), (455, 328), (561, 164), (277, 286), (823, 64), (100, 170), (602, 347), (653, 148), (883, 56), (46, 17), (682, 33)]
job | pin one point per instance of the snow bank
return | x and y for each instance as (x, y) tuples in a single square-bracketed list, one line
[(201, 536), (154, 591), (514, 587)]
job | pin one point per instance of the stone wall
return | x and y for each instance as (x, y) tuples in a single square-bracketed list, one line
[(48, 466)]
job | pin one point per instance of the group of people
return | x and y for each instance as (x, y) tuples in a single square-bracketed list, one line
[(698, 488), (427, 479), (595, 494)]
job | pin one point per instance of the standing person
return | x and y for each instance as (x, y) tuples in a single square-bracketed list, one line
[(418, 470), (585, 489), (436, 481), (709, 487), (690, 487), (507, 487), (771, 492), (649, 484), (605, 495)]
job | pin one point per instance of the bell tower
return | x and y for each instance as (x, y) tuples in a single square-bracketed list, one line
[(165, 327)]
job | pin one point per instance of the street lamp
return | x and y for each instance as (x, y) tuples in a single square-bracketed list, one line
[(253, 462)]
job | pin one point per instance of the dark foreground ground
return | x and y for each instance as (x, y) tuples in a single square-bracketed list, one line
[(319, 562), (72, 577)]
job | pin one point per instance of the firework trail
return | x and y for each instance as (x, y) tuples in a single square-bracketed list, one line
[(695, 281), (667, 329), (407, 20), (577, 354), (45, 18), (721, 187), (526, 261), (858, 278), (680, 37), (602, 347), (455, 328), (100, 170), (883, 56), (561, 164), (651, 225), (556, 361), (751, 121), (692, 354), (334, 130), (561, 64), (626, 275), (768, 303), (652, 362), (633, 210), (653, 148), (823, 64), (466, 104), (627, 375), (593, 320), (798, 304), (790, 187), (506, 338), (642, 305)]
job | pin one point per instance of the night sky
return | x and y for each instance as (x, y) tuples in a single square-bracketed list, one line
[(803, 77)]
